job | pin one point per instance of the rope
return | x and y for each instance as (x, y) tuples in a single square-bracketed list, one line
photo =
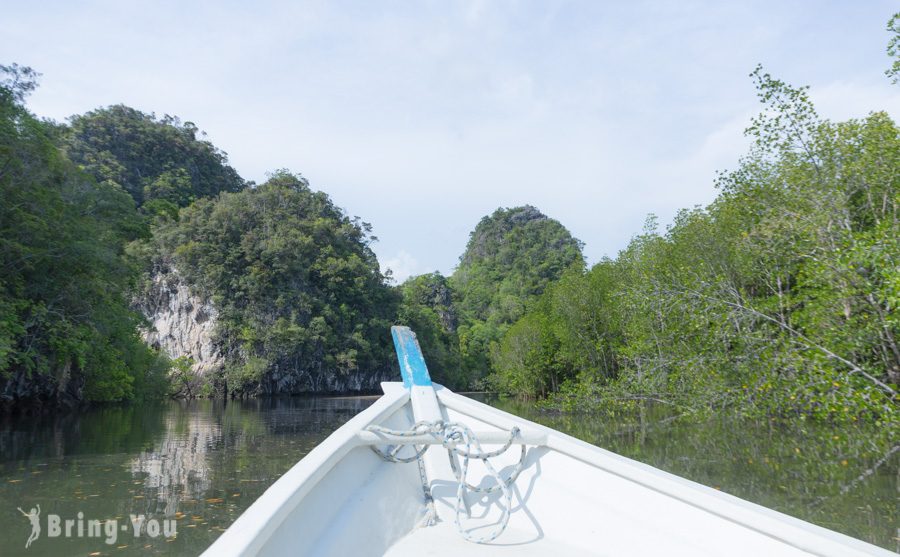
[(452, 435)]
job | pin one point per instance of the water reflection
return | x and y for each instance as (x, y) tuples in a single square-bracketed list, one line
[(177, 467), (834, 476), (201, 463), (106, 429)]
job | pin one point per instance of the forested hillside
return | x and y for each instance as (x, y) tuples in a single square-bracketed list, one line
[(67, 332), (511, 257), (160, 162), (428, 308), (302, 305), (102, 216)]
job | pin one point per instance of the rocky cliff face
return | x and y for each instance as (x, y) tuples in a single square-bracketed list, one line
[(305, 379), (182, 323)]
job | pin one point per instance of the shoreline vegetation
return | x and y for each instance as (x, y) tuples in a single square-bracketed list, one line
[(778, 300)]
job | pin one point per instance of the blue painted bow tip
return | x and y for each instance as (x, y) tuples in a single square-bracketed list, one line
[(409, 355)]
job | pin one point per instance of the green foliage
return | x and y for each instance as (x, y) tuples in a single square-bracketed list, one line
[(780, 297), (893, 49), (162, 163), (184, 381), (300, 298), (427, 307), (528, 359), (64, 279), (511, 257), (247, 373), (17, 82)]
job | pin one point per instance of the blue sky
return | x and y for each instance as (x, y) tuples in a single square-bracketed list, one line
[(421, 117)]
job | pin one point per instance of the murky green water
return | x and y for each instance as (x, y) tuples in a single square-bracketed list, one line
[(202, 463), (836, 477)]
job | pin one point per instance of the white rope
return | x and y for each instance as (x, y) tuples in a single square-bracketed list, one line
[(452, 436)]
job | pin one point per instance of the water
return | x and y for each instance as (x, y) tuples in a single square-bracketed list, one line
[(202, 463), (834, 476)]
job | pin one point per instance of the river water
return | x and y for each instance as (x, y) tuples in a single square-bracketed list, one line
[(201, 463)]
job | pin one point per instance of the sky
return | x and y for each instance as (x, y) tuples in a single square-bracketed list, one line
[(423, 117)]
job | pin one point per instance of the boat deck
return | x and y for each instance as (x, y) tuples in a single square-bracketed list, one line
[(443, 539)]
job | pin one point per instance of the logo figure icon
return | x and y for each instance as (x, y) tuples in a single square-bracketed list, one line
[(34, 518)]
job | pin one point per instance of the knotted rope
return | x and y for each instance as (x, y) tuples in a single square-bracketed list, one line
[(452, 436)]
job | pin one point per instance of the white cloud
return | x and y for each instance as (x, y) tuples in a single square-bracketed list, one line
[(843, 99), (403, 265)]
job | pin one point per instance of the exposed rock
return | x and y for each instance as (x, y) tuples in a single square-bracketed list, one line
[(442, 302), (306, 380), (62, 387), (182, 323)]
